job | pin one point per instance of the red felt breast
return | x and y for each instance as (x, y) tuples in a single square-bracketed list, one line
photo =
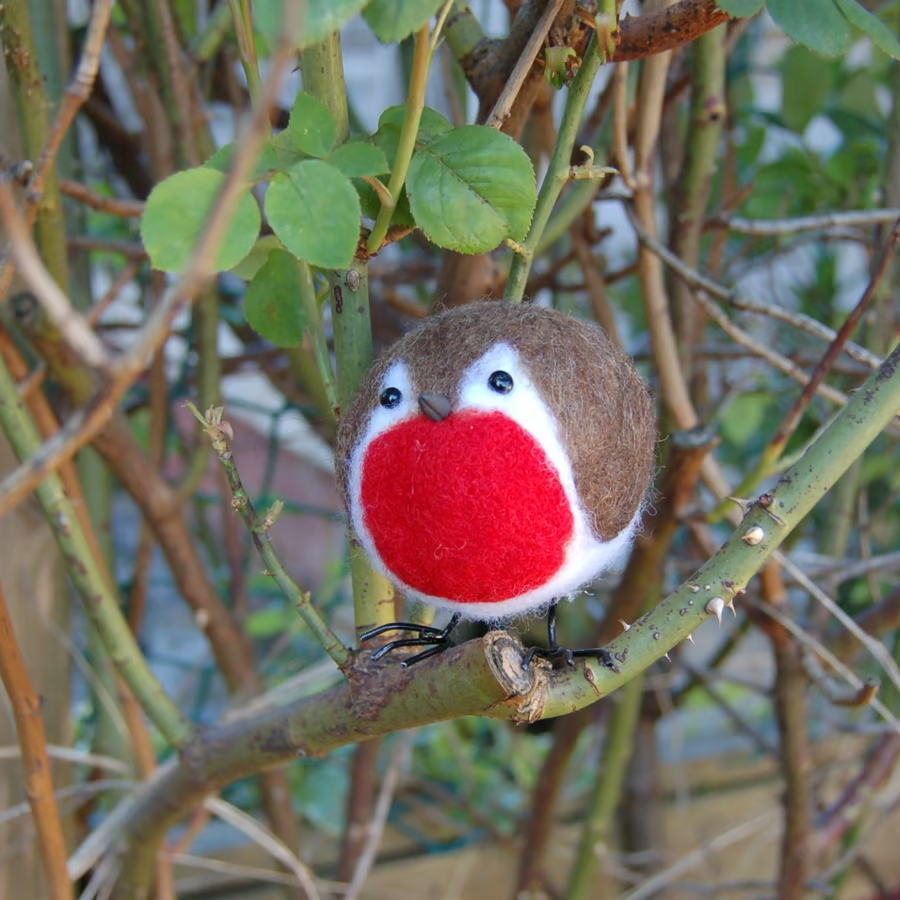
[(469, 509)]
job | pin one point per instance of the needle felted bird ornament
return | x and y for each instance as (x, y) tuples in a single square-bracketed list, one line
[(496, 460)]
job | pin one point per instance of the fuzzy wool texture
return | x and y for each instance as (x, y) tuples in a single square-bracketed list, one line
[(469, 509), (469, 519)]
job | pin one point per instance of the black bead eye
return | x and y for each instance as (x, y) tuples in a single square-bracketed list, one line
[(390, 398), (500, 381)]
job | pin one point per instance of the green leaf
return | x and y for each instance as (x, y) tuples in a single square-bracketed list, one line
[(256, 258), (393, 20), (744, 419), (881, 35), (741, 8), (314, 19), (359, 158), (267, 623), (278, 153), (314, 209), (431, 124), (470, 188), (807, 82), (273, 306), (859, 96), (818, 24), (176, 214), (370, 203), (311, 127)]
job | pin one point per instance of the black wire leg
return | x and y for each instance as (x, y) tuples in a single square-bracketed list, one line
[(435, 639), (554, 652)]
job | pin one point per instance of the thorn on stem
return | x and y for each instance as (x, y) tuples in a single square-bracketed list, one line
[(715, 607)]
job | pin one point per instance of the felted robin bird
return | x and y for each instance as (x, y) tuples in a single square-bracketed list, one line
[(496, 460)]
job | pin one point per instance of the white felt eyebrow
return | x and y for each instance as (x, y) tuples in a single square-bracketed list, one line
[(397, 376)]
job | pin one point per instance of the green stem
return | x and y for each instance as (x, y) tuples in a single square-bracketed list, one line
[(33, 106), (556, 176), (415, 103), (373, 595), (243, 29), (205, 44), (607, 789), (870, 410), (205, 315), (259, 531), (98, 493), (692, 189), (464, 32), (323, 78), (570, 208), (99, 603), (316, 330), (164, 59)]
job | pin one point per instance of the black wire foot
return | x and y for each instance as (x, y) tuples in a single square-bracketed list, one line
[(435, 639), (563, 653), (554, 652)]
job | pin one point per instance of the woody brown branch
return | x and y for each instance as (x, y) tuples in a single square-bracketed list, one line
[(26, 706)]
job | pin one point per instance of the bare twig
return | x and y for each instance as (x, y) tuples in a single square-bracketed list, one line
[(773, 310), (735, 332), (763, 823), (820, 650), (500, 112), (837, 694), (845, 812), (84, 424), (379, 818), (875, 648), (115, 206), (79, 757), (667, 29), (77, 332), (788, 227), (76, 94), (220, 432), (26, 706), (789, 699), (792, 419), (261, 835)]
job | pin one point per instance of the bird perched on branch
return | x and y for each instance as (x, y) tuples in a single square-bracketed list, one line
[(496, 460)]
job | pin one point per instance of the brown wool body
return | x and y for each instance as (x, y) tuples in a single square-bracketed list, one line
[(603, 409)]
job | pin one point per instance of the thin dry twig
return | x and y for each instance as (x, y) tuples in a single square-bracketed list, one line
[(799, 224), (828, 657), (261, 835), (800, 321), (875, 647), (86, 422), (77, 332), (380, 815), (501, 111), (115, 206), (102, 879), (648, 888), (79, 757), (734, 331), (795, 414), (78, 91), (26, 706)]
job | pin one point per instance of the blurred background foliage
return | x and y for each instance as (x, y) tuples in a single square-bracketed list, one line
[(803, 136)]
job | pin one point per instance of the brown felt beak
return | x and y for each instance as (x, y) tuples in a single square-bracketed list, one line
[(435, 406)]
